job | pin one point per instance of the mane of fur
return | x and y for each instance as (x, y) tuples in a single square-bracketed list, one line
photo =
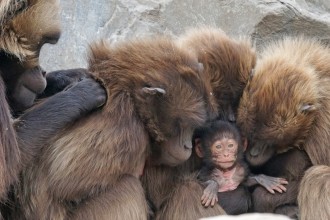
[(157, 63), (227, 62)]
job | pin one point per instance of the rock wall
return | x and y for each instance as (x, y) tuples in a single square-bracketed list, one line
[(85, 21)]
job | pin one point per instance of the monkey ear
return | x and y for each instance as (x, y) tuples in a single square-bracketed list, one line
[(153, 90), (198, 147), (305, 108)]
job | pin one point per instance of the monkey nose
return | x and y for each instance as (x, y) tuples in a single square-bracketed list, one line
[(254, 151), (188, 145)]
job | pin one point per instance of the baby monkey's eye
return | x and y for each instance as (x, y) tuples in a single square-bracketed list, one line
[(230, 145), (218, 146)]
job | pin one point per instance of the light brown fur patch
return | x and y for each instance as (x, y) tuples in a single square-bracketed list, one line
[(287, 102)]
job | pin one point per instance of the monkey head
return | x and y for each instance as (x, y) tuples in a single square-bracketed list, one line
[(220, 143), (164, 84), (22, 37), (277, 108), (227, 65)]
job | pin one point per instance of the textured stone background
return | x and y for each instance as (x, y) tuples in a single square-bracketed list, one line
[(84, 21)]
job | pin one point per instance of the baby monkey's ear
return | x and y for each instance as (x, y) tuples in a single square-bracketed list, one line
[(198, 147)]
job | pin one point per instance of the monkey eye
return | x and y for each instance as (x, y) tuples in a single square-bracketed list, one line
[(218, 146), (230, 145)]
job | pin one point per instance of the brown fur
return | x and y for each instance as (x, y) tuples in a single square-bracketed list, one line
[(84, 166), (287, 101), (282, 165), (313, 197), (23, 35), (19, 39), (9, 8), (227, 66), (9, 152), (184, 201)]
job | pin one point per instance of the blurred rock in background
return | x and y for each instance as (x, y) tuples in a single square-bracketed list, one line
[(84, 21)]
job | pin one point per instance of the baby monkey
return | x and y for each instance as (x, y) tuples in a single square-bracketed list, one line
[(224, 172)]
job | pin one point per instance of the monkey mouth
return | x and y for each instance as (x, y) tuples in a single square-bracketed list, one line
[(260, 154), (229, 161)]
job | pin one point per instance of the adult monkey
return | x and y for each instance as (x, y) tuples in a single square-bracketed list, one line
[(155, 100), (286, 105), (23, 32), (227, 66)]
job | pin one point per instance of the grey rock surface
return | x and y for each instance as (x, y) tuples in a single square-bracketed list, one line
[(85, 21)]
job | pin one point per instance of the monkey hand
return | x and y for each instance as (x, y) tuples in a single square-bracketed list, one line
[(272, 184), (210, 193), (89, 93)]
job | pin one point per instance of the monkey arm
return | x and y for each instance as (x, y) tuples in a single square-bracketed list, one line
[(36, 127), (59, 80), (272, 184), (210, 193)]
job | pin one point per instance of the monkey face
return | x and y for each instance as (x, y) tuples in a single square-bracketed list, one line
[(277, 108), (224, 152), (22, 38), (177, 149)]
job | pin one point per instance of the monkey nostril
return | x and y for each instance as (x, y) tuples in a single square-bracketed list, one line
[(43, 73), (254, 151), (189, 146)]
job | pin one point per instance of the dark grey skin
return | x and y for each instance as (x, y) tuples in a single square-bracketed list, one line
[(60, 79), (35, 127)]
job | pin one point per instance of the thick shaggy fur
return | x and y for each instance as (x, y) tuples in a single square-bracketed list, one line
[(23, 35), (227, 66), (313, 197), (87, 172), (287, 102)]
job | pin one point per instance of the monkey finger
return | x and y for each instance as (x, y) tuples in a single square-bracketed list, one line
[(276, 188), (270, 190), (205, 195), (283, 181), (213, 201), (204, 199), (208, 202), (282, 188)]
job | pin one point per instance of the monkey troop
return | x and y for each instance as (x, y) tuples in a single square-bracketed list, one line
[(225, 173), (68, 191)]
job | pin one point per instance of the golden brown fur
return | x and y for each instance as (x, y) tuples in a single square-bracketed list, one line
[(23, 35), (287, 101), (227, 66), (85, 165), (5, 6), (313, 197)]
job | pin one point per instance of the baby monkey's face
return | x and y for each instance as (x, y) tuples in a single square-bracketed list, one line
[(224, 152)]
